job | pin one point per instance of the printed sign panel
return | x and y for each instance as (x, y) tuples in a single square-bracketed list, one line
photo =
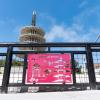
[(49, 69)]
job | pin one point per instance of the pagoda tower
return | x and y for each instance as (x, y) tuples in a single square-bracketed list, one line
[(32, 34)]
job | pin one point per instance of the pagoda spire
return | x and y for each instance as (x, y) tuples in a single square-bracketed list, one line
[(34, 19)]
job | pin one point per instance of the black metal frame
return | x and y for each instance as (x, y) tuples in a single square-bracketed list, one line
[(88, 51)]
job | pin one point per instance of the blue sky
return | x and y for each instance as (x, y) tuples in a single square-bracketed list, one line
[(62, 20)]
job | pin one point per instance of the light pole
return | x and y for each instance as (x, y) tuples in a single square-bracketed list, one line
[(97, 38)]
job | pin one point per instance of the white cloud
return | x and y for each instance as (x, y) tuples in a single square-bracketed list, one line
[(45, 16), (60, 32), (83, 4), (45, 20), (85, 27), (88, 16)]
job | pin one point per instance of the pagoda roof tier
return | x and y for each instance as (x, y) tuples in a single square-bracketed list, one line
[(33, 39), (35, 29), (32, 36)]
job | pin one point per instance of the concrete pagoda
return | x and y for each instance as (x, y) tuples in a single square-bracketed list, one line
[(32, 34)]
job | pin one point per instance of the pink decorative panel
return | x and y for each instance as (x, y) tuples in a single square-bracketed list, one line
[(49, 68)]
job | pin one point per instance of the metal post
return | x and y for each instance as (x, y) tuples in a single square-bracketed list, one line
[(90, 67), (24, 70), (73, 68), (24, 88), (7, 69), (49, 49)]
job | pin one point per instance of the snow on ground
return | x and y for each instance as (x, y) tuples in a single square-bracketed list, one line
[(75, 95)]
